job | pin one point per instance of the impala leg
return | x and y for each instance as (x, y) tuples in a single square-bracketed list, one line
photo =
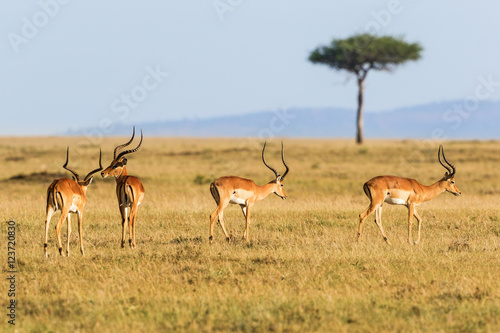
[(133, 233), (135, 216), (130, 222), (419, 223), (131, 226), (411, 209), (246, 212), (221, 222), (50, 212), (362, 218), (80, 231), (64, 214), (213, 216), (69, 233), (378, 221), (123, 212), (218, 213)]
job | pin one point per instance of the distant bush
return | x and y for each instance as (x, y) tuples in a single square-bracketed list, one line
[(202, 180)]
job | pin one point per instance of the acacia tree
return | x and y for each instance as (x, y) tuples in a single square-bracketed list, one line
[(361, 53)]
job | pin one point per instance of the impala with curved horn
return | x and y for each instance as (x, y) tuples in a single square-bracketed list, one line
[(129, 189), (68, 196), (243, 192), (405, 191)]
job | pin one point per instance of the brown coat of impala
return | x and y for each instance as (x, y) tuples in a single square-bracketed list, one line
[(243, 192), (68, 196), (405, 191), (129, 189)]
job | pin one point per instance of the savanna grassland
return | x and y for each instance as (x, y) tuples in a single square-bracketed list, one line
[(302, 269)]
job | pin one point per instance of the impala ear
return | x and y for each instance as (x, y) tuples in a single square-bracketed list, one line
[(87, 183), (74, 178), (124, 161)]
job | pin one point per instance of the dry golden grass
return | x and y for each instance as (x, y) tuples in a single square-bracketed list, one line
[(301, 270)]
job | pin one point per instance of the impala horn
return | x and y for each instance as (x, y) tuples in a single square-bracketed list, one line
[(271, 168), (267, 165), (284, 163), (125, 144), (87, 177), (130, 150), (65, 166), (449, 167)]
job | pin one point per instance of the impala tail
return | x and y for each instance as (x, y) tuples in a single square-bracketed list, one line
[(51, 194), (127, 195), (215, 193), (368, 193), (55, 202)]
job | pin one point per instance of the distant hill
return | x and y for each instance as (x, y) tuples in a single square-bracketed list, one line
[(439, 120)]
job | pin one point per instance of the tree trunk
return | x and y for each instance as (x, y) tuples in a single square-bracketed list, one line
[(359, 117)]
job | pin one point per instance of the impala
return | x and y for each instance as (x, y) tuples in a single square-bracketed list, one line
[(405, 191), (129, 189), (243, 192), (68, 196)]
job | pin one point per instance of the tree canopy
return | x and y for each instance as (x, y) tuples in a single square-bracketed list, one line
[(360, 53)]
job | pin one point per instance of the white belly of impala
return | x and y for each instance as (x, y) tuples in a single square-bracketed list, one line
[(73, 208), (236, 200), (395, 201)]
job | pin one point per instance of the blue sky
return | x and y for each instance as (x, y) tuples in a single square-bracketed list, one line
[(73, 64)]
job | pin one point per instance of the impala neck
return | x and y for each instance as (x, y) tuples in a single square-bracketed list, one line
[(123, 174), (433, 190), (265, 190)]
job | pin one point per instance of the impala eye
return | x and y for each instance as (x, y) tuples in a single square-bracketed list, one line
[(452, 181), (115, 166)]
